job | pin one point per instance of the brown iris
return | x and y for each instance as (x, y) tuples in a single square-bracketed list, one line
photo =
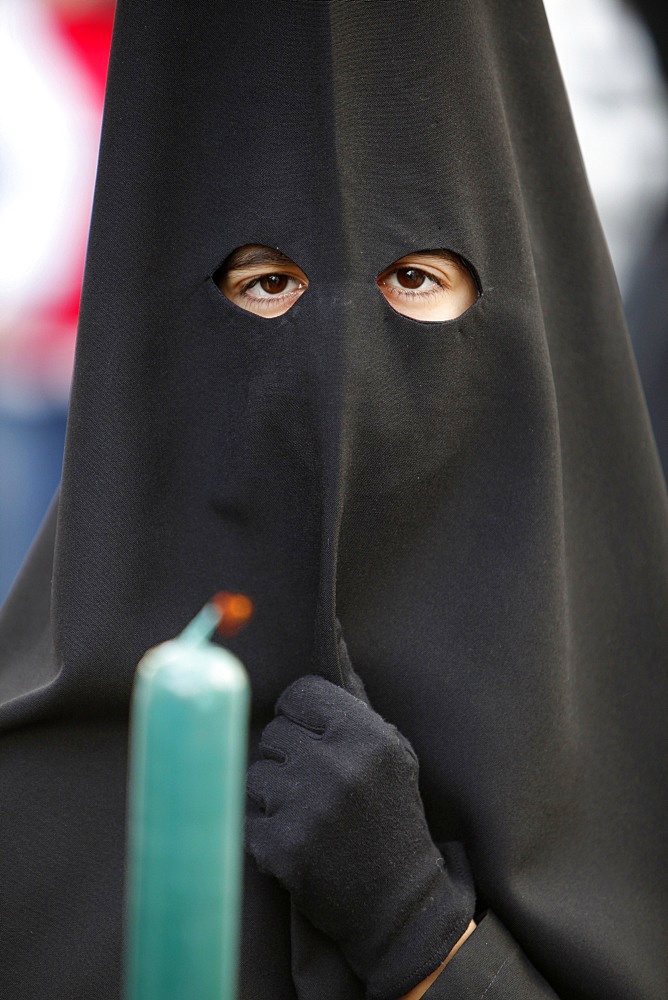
[(274, 284), (410, 277)]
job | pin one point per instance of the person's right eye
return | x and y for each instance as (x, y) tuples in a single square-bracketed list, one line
[(261, 280), (272, 288)]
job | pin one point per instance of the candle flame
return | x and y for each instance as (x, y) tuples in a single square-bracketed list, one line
[(234, 611)]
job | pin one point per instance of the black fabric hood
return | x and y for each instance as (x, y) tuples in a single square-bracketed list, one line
[(478, 501)]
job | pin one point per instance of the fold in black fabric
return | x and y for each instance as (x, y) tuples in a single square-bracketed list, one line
[(479, 501)]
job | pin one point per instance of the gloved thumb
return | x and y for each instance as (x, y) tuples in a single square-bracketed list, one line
[(350, 680)]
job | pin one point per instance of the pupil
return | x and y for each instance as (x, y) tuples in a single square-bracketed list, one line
[(273, 284), (410, 277)]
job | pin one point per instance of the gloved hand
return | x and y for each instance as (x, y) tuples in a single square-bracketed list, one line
[(335, 814)]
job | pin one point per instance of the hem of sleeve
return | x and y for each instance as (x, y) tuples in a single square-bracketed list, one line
[(490, 964)]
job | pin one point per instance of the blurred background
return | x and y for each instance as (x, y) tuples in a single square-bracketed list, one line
[(614, 58), (53, 64)]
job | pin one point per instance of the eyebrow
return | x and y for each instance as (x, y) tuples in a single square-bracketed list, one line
[(254, 256), (452, 258), (448, 255)]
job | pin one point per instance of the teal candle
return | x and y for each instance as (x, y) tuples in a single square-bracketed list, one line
[(189, 730)]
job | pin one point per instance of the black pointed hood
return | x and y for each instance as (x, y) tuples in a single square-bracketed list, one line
[(478, 500)]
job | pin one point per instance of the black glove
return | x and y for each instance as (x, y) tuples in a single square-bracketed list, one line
[(335, 814)]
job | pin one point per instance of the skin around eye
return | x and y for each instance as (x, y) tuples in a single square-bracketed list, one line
[(432, 286), (261, 280)]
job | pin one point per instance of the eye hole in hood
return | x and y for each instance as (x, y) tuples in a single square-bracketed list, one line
[(261, 280), (430, 285)]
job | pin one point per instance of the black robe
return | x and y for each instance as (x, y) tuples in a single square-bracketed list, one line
[(479, 501)]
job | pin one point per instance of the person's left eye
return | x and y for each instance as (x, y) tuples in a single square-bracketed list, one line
[(431, 286), (411, 278)]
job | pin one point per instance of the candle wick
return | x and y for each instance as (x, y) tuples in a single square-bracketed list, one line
[(225, 613), (202, 627)]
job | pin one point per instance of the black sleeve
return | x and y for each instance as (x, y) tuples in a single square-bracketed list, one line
[(490, 964)]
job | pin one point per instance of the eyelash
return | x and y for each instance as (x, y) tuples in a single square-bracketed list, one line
[(417, 293), (273, 299)]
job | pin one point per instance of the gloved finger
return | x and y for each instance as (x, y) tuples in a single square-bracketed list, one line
[(350, 679), (283, 740), (258, 837), (265, 786), (265, 842), (312, 702)]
